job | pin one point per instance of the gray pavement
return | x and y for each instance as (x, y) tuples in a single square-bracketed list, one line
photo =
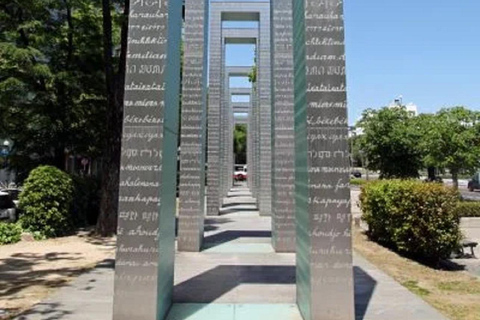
[(238, 276), (471, 230)]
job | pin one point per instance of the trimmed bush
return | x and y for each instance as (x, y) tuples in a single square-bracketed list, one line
[(46, 202), (10, 233), (467, 209), (411, 217)]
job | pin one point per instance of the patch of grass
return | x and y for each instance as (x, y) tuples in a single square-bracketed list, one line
[(456, 294), (415, 288), (460, 287)]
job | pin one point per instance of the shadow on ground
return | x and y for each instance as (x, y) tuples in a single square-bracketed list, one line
[(214, 283), (230, 235), (17, 272), (48, 311)]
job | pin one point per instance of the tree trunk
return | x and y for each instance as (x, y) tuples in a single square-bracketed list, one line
[(431, 173), (455, 178), (107, 221)]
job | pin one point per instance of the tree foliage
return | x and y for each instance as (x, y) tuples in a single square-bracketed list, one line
[(51, 81), (390, 142), (240, 143), (451, 140), (398, 144)]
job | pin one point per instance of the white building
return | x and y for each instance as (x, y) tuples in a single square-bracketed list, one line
[(412, 108)]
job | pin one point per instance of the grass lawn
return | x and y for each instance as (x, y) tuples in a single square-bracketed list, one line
[(454, 293)]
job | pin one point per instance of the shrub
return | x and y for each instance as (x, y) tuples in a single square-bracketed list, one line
[(411, 217), (86, 201), (46, 202), (357, 182), (468, 209), (10, 233)]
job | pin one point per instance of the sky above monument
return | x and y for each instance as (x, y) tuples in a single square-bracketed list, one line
[(427, 51)]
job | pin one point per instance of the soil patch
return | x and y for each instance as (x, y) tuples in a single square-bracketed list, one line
[(31, 271)]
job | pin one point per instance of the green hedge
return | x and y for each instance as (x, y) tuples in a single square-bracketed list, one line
[(357, 182), (10, 233), (46, 201), (411, 217), (468, 209)]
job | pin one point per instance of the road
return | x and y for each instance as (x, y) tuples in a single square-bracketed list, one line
[(467, 195), (462, 187)]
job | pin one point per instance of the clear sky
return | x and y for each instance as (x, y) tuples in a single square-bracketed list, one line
[(427, 51)]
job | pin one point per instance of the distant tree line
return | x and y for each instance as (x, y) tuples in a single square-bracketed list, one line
[(399, 144)]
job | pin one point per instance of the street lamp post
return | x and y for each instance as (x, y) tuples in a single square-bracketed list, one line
[(5, 150)]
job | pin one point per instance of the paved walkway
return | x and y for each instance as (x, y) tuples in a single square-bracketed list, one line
[(238, 276)]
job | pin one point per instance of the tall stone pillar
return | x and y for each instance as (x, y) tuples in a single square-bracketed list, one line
[(283, 220), (214, 104), (324, 244), (264, 79), (223, 125), (146, 217), (193, 130), (256, 133)]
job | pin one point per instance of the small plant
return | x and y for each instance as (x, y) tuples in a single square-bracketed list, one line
[(10, 233), (46, 202)]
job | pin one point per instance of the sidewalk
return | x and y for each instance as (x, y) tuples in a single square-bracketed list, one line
[(238, 276)]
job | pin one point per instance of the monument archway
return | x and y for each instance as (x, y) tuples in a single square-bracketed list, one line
[(297, 141)]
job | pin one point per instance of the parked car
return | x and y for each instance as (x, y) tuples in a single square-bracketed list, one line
[(240, 173), (14, 194), (474, 183), (8, 209), (356, 174)]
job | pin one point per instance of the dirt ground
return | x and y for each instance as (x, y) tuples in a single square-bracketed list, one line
[(30, 271), (454, 293)]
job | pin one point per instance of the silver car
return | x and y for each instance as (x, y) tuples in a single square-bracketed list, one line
[(7, 207)]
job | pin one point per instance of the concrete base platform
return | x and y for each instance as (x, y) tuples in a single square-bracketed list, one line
[(237, 276), (195, 311)]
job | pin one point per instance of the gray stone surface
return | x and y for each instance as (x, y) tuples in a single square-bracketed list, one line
[(238, 267), (214, 104), (264, 82), (193, 133), (283, 220), (471, 230), (148, 157), (226, 138), (324, 243)]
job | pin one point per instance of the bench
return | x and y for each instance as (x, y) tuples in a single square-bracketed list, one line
[(468, 244)]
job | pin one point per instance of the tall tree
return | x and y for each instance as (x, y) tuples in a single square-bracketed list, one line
[(390, 142), (451, 140), (51, 96), (115, 83)]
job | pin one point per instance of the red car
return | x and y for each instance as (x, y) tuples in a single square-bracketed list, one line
[(240, 173)]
